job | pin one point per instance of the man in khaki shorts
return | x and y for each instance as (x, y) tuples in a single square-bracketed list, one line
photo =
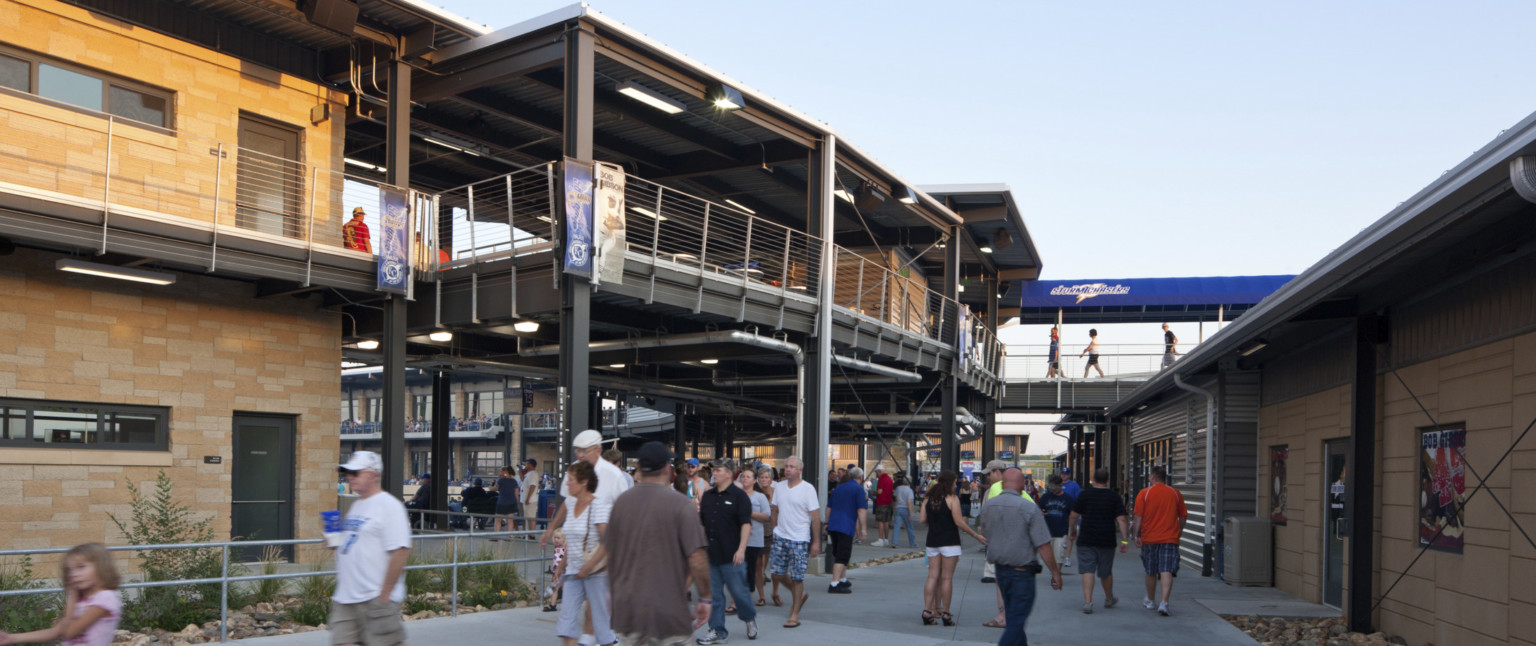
[(371, 551), (531, 484)]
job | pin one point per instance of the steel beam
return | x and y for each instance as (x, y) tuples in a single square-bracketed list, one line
[(398, 154), (815, 428), (442, 446), (575, 292), (1361, 492), (949, 449)]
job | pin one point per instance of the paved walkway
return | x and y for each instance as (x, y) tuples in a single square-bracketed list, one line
[(886, 603)]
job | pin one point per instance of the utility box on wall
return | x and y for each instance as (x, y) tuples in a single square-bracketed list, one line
[(1247, 558)]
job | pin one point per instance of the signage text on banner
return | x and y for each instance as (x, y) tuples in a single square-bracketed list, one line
[(578, 218), (608, 218), (394, 264)]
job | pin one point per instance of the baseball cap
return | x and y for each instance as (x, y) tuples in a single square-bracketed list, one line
[(357, 210), (654, 456), (693, 462), (997, 465), (363, 461), (1066, 469), (587, 439)]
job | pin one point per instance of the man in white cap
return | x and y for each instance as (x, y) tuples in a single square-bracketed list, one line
[(370, 560)]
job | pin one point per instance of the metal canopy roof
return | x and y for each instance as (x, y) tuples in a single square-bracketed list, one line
[(1468, 218)]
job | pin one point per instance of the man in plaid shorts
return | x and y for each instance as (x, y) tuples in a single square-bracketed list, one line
[(796, 535), (1159, 522)]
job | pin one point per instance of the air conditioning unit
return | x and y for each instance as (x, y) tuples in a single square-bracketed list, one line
[(1248, 557)]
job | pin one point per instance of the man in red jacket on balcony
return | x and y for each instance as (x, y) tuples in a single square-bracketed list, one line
[(354, 234)]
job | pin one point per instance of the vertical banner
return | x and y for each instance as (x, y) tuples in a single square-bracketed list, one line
[(608, 216), (394, 264), (1277, 491), (578, 218), (1442, 488), (962, 335)]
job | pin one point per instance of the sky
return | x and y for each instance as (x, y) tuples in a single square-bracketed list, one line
[(1140, 139)]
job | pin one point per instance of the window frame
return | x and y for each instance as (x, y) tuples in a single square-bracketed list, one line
[(104, 414), (108, 81)]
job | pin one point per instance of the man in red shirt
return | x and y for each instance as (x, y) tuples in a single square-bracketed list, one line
[(885, 506), (354, 234), (1159, 522)]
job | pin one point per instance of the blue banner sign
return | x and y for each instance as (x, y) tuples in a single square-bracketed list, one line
[(1211, 290), (578, 218), (394, 265)]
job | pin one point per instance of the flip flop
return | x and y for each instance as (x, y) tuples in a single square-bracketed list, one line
[(992, 623), (791, 624), (762, 602), (776, 600)]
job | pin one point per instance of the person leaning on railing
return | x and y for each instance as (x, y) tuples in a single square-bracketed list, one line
[(354, 234)]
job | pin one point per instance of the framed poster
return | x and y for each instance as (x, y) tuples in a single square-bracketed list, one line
[(1278, 492), (1442, 487)]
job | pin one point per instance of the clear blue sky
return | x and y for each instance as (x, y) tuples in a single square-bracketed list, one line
[(1140, 139)]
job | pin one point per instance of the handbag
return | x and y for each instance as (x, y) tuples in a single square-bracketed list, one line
[(586, 553)]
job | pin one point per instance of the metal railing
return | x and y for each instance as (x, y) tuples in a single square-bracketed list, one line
[(123, 168), (1027, 362), (501, 217), (688, 233), (225, 579), (548, 421)]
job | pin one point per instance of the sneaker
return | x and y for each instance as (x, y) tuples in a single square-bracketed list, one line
[(1110, 602), (1087, 608), (587, 640), (845, 584), (1066, 563), (752, 629), (837, 588), (712, 637), (1147, 603), (988, 579), (1162, 609)]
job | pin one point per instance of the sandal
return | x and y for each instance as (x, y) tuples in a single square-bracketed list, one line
[(730, 610), (948, 619), (776, 600), (791, 624), (761, 601), (928, 618), (992, 623)]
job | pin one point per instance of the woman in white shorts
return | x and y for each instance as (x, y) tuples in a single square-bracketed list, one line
[(941, 513)]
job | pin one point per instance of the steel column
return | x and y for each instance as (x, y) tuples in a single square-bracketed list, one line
[(397, 147), (1361, 484), (576, 293), (442, 445), (949, 455), (815, 428)]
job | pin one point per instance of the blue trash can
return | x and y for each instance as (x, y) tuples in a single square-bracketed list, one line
[(549, 501)]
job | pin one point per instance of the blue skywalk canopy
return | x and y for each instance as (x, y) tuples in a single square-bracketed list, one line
[(1134, 292)]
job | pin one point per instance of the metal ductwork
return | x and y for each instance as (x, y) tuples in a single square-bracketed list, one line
[(896, 374), (926, 417), (879, 374), (1522, 174)]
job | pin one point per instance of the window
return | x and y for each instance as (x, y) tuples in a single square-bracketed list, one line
[(46, 424), (486, 463), (85, 88), (486, 404)]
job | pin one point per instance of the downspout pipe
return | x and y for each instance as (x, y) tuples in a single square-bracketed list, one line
[(1210, 473)]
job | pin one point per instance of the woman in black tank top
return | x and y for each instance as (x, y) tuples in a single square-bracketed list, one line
[(941, 513), (965, 498)]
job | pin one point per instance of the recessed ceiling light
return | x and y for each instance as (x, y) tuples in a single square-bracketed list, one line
[(709, 362), (739, 206), (615, 365), (441, 336), (526, 326), (112, 271), (650, 97), (368, 344)]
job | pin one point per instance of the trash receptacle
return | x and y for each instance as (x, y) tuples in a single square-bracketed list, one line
[(549, 501)]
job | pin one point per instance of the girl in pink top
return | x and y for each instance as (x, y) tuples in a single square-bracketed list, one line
[(92, 606)]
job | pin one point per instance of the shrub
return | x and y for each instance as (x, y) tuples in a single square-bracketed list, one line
[(314, 606), (160, 519), (491, 583), (28, 612), (420, 581), (267, 590)]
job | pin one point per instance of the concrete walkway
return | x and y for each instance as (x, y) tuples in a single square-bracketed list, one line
[(886, 603)]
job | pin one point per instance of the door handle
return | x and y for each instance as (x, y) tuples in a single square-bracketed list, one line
[(1339, 528)]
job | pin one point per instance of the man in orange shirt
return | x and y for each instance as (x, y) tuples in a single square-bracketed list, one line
[(1159, 522)]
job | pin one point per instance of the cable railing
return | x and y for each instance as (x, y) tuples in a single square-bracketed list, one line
[(1029, 362), (248, 547), (501, 217), (693, 235), (69, 158)]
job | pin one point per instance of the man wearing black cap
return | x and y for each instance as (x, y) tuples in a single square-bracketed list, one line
[(655, 543)]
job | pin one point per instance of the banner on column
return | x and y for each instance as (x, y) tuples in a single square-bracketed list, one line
[(394, 264), (608, 217), (1442, 487), (962, 338), (578, 218)]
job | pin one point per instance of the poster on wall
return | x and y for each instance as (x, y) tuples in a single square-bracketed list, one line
[(1277, 491), (578, 218), (1442, 487), (608, 216)]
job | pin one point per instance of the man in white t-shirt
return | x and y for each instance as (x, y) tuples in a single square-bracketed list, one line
[(611, 480), (371, 551), (796, 534)]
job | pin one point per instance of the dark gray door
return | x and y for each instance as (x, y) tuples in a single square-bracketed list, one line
[(263, 482), (1334, 525), (269, 181)]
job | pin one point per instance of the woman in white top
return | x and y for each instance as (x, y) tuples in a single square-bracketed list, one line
[(765, 487), (1093, 354), (762, 512), (585, 576), (903, 518)]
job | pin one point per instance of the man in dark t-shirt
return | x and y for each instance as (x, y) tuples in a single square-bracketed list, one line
[(1095, 516), (726, 512), (1056, 504), (1170, 347), (654, 543)]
